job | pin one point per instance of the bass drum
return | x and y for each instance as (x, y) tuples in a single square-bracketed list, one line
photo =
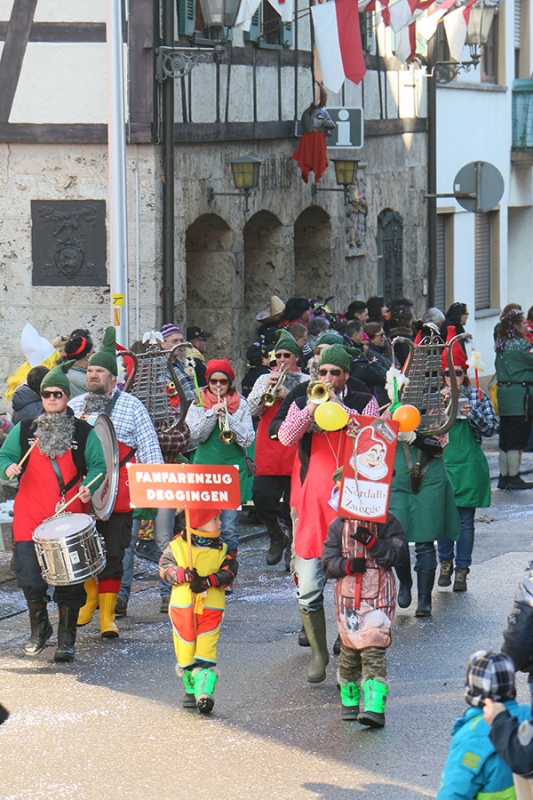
[(103, 500)]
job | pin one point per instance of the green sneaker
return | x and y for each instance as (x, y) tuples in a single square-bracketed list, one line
[(204, 685), (189, 701), (375, 697), (350, 696)]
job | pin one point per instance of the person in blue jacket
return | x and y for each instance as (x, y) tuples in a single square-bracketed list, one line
[(473, 768)]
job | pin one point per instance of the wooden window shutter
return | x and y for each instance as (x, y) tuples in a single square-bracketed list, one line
[(186, 17), (255, 28), (440, 277), (482, 265)]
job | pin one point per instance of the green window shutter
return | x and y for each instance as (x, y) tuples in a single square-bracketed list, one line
[(255, 28), (286, 34), (186, 17)]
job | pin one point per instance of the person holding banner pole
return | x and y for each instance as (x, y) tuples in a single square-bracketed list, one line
[(199, 567), (221, 423)]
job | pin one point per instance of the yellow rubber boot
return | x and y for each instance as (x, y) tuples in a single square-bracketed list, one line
[(91, 604), (108, 601)]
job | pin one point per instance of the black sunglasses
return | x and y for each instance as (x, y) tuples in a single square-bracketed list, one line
[(47, 395), (334, 372), (458, 373), (283, 355)]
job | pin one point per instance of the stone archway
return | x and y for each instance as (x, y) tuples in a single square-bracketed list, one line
[(313, 254), (268, 267), (214, 285)]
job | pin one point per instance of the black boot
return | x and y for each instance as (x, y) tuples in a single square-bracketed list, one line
[(425, 581), (403, 571), (278, 543), (66, 634), (41, 630), (288, 551)]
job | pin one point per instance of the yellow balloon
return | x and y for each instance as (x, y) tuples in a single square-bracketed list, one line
[(331, 417), (408, 418)]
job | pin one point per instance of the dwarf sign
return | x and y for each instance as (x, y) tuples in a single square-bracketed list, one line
[(183, 485), (367, 469)]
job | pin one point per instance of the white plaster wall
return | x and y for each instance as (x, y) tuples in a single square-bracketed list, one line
[(62, 83), (241, 94), (5, 9), (520, 274), (70, 11), (267, 105)]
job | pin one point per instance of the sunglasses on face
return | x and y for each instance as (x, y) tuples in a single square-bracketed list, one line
[(221, 381), (47, 395), (458, 373), (334, 372), (283, 355)]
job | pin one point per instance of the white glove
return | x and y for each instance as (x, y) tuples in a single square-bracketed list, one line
[(408, 436)]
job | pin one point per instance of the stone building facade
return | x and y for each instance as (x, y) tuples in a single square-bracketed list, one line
[(53, 152)]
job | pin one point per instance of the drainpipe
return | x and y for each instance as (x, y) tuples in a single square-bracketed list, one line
[(168, 171), (432, 175)]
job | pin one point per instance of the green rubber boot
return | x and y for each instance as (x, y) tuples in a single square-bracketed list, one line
[(314, 624), (189, 700), (375, 696), (204, 681), (350, 696)]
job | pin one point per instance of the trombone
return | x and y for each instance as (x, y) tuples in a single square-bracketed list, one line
[(226, 435), (318, 392), (269, 398)]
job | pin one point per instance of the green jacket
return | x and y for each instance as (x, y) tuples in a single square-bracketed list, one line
[(514, 372)]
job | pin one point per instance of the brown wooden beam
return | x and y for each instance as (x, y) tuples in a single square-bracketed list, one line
[(16, 39)]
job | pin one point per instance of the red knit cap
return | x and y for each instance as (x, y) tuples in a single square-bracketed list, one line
[(219, 365), (198, 517), (458, 354)]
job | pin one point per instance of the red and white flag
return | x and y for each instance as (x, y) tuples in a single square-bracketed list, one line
[(405, 43), (338, 41), (427, 26), (456, 25), (403, 13)]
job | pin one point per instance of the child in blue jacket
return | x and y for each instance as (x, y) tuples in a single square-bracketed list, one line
[(473, 767)]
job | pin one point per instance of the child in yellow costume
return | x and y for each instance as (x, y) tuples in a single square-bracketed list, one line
[(197, 603)]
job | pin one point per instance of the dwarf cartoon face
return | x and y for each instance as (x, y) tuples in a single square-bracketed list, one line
[(369, 456)]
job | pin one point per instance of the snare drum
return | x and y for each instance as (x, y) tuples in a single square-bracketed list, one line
[(69, 549)]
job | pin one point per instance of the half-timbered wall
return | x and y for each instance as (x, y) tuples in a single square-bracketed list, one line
[(53, 114)]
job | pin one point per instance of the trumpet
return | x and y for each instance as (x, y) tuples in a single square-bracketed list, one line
[(226, 435), (318, 392), (269, 397)]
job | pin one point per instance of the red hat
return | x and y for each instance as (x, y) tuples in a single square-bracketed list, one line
[(198, 517), (219, 365), (458, 354)]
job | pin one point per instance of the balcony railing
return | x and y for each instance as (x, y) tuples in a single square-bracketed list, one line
[(522, 147)]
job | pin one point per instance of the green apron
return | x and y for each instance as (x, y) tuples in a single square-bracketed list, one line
[(213, 451), (432, 513), (467, 467)]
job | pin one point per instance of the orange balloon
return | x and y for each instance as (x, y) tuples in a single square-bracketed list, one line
[(408, 418)]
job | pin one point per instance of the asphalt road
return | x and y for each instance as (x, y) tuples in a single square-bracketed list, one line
[(111, 723)]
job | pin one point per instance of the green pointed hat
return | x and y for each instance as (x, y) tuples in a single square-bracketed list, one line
[(286, 341), (106, 356), (338, 355), (58, 377)]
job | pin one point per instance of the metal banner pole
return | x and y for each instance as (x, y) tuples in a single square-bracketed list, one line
[(118, 232)]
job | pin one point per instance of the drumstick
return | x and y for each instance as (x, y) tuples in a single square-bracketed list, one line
[(76, 496), (25, 456)]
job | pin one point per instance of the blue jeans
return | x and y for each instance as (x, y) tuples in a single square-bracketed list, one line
[(229, 532), (163, 534), (465, 543), (426, 556), (311, 581)]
